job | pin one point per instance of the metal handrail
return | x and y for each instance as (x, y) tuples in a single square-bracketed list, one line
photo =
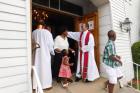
[(137, 77), (38, 87)]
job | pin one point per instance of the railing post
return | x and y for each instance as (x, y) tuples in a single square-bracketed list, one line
[(137, 82), (38, 86), (137, 76)]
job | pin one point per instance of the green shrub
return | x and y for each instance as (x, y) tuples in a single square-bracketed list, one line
[(136, 52)]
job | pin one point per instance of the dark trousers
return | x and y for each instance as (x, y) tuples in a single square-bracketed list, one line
[(56, 65)]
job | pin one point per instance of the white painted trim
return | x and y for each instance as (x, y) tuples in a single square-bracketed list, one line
[(29, 53)]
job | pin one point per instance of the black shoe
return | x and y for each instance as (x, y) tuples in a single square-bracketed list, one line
[(87, 81), (58, 80), (70, 80), (77, 79)]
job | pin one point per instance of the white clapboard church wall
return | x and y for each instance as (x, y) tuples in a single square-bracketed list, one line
[(123, 44), (132, 12), (110, 16), (14, 74)]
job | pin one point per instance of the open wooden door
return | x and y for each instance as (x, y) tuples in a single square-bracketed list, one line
[(92, 20)]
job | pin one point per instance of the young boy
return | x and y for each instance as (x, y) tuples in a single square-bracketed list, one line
[(112, 62)]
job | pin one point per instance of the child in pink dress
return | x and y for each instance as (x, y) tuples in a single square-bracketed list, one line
[(65, 71)]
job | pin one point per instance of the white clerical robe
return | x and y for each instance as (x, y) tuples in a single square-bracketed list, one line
[(42, 57), (92, 71)]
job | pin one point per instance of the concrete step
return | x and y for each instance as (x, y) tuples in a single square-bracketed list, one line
[(80, 87)]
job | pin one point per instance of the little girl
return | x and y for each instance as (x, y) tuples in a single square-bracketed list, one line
[(65, 71)]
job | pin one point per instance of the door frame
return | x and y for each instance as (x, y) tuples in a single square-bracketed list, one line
[(29, 42), (29, 6)]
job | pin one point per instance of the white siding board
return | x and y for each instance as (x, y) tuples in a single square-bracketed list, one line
[(116, 21), (123, 36), (13, 71), (19, 88), (13, 48), (12, 52), (14, 2), (117, 28), (122, 39), (117, 17), (119, 12), (123, 44), (12, 17), (12, 26), (11, 62), (13, 44), (10, 81), (123, 51), (117, 4), (12, 9), (13, 34)]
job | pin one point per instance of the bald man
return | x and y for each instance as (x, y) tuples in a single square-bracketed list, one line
[(111, 62)]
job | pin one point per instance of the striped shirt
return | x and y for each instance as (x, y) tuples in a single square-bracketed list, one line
[(110, 50)]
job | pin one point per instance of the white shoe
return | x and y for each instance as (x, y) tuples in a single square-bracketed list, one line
[(65, 85)]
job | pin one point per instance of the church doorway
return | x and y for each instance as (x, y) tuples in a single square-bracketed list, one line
[(72, 20), (56, 20)]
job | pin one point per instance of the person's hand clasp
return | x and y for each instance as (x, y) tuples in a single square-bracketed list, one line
[(83, 49), (119, 60), (71, 64), (80, 48), (119, 57), (72, 51)]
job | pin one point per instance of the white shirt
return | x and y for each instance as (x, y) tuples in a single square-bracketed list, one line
[(61, 43)]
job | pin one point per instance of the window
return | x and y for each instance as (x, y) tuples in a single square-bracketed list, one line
[(72, 8), (54, 4), (42, 2), (62, 5)]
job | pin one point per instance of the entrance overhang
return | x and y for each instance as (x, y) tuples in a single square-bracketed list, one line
[(99, 3)]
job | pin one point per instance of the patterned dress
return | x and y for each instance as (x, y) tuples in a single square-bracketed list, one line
[(65, 71)]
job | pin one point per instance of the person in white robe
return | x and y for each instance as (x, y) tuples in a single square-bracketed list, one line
[(92, 70), (42, 61)]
